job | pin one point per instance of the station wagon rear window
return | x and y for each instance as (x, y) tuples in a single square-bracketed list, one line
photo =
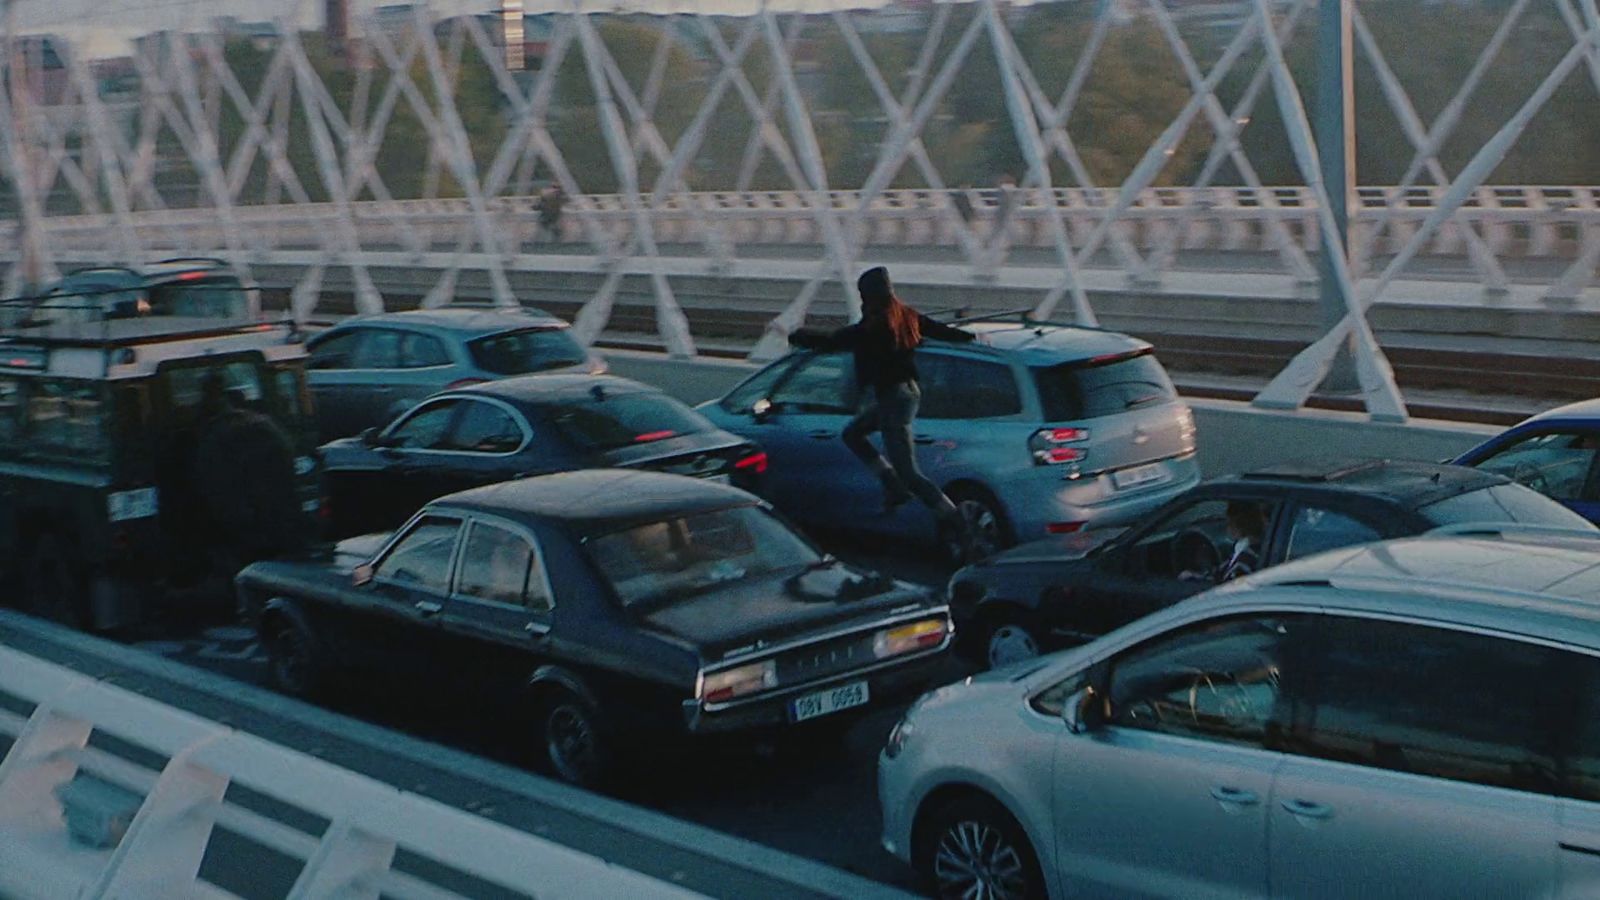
[(1074, 391), (654, 564), (527, 351), (624, 420)]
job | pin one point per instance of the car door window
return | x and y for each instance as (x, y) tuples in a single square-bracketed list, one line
[(1433, 701), (821, 384), (742, 399), (420, 351), (422, 558), (333, 351), (1556, 463), (485, 428), (1582, 763), (378, 348), (425, 428), (1315, 530), (1207, 540), (500, 565), (1223, 681), (959, 387)]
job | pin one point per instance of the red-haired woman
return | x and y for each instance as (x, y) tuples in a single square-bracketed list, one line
[(884, 343)]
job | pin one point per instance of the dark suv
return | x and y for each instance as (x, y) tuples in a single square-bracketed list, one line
[(147, 458), (1057, 592), (182, 287)]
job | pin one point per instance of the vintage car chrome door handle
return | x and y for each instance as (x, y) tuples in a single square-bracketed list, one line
[(428, 607), (1306, 809), (1234, 796)]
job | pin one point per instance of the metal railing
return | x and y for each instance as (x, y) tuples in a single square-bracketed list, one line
[(1515, 222), (70, 730)]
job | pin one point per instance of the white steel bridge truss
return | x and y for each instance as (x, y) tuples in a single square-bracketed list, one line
[(84, 177)]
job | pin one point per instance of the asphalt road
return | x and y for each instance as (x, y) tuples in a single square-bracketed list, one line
[(816, 799)]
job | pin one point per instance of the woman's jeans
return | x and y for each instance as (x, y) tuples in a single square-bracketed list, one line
[(892, 411)]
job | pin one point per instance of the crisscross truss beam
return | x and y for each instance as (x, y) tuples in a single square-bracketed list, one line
[(1074, 150)]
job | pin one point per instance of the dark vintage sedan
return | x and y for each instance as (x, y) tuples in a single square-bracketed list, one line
[(613, 606), (1064, 591), (507, 429)]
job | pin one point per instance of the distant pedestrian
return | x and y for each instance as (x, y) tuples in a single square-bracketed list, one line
[(551, 203), (884, 343), (962, 199), (1003, 205)]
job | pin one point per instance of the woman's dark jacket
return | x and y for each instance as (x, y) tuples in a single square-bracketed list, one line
[(879, 363)]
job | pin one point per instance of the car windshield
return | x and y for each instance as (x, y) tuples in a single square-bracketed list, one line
[(527, 351), (609, 421), (662, 562), (1076, 391), (1503, 503)]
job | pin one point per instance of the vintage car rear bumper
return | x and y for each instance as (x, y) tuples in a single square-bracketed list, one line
[(884, 686)]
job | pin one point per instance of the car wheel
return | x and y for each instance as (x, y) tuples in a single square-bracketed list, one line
[(1011, 638), (54, 586), (991, 531), (574, 748), (974, 848), (294, 661)]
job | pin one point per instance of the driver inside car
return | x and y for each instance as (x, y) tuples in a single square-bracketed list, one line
[(1247, 526)]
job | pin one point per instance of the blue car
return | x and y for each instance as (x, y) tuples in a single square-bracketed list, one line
[(1033, 429), (368, 369), (516, 427), (1553, 453)]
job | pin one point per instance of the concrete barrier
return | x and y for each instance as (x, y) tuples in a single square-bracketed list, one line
[(219, 789), (1232, 436)]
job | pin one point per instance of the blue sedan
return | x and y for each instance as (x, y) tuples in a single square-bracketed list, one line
[(1553, 453)]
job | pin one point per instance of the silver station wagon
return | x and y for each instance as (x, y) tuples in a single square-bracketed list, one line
[(1416, 718), (1034, 429)]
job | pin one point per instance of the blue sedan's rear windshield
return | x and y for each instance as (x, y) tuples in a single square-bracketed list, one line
[(527, 351), (623, 420), (1503, 503)]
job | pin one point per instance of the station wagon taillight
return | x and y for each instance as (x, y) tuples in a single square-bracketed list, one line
[(1054, 446)]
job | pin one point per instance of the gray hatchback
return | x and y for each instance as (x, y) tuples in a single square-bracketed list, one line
[(1416, 718), (367, 370)]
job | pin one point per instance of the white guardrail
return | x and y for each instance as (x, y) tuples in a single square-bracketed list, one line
[(1515, 221), (162, 821)]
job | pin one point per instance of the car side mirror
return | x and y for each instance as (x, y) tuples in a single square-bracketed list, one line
[(763, 409), (362, 575), (1084, 711), (369, 437)]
